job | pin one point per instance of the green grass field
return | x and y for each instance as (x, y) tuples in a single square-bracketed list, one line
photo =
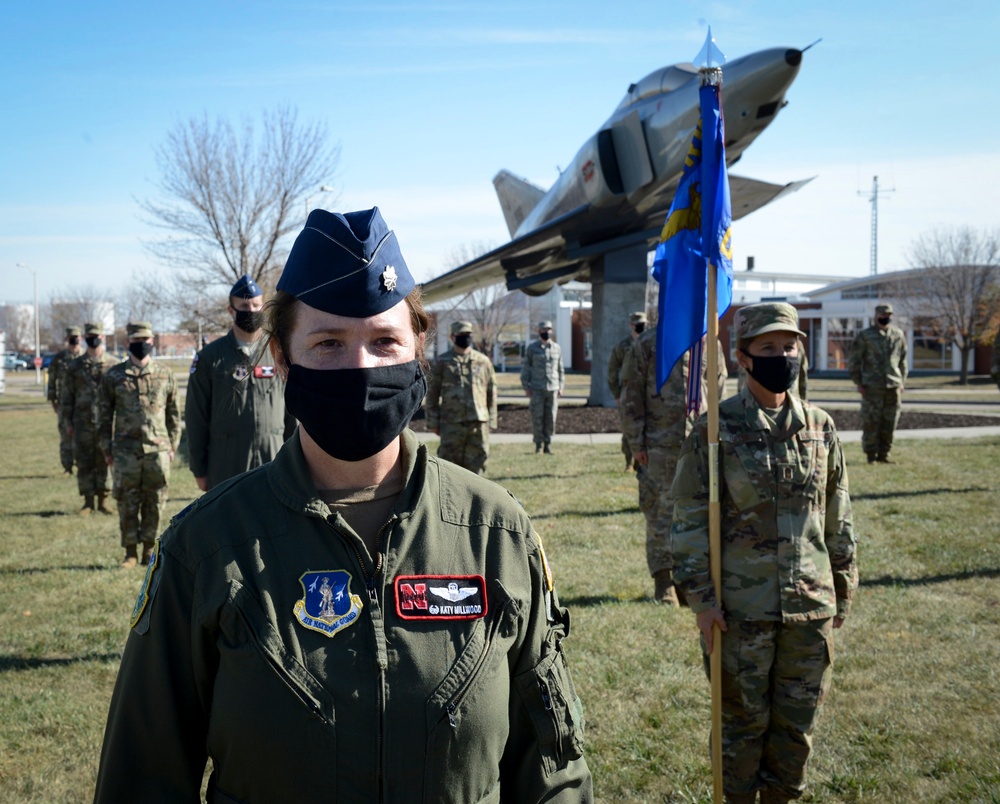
[(915, 711)]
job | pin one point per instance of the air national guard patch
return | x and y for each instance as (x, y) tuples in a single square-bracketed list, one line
[(240, 372), (148, 587), (327, 604), (194, 363), (441, 597)]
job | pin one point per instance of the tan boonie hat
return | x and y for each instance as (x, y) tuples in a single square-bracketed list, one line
[(92, 329), (758, 319), (637, 318), (460, 326), (884, 308), (544, 325), (139, 329), (71, 331)]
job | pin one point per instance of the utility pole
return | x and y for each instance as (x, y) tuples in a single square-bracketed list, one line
[(873, 198)]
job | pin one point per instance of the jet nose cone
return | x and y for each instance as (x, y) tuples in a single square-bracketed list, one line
[(793, 58)]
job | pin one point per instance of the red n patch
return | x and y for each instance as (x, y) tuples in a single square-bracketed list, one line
[(413, 596)]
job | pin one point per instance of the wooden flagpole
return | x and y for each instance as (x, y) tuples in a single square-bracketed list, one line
[(714, 526)]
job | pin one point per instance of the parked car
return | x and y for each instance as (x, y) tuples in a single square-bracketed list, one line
[(11, 362)]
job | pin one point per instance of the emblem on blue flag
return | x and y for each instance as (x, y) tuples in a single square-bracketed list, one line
[(327, 604)]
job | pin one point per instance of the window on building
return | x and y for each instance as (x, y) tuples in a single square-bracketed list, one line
[(840, 334), (932, 345)]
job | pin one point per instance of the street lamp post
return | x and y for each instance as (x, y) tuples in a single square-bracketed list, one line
[(38, 352), (324, 188)]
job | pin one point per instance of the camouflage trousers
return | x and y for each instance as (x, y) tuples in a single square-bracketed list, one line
[(91, 467), (774, 679), (65, 443), (140, 484), (880, 409), (626, 447), (544, 406), (656, 504), (466, 444)]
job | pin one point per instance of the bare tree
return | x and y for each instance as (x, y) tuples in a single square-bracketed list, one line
[(230, 198), (17, 323), (958, 286)]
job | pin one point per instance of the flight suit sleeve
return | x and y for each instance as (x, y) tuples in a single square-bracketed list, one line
[(197, 412), (689, 531), (432, 402), (841, 544), (154, 745), (491, 397), (543, 759)]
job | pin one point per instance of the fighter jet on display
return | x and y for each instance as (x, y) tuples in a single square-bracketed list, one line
[(618, 188)]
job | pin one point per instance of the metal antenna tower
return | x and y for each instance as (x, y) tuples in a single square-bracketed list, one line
[(873, 198)]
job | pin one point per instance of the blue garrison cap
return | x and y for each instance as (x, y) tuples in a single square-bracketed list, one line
[(348, 264), (246, 288)]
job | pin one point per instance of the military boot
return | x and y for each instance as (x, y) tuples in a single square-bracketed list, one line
[(102, 503), (147, 552), (884, 459), (872, 457), (131, 557), (663, 591), (538, 448), (547, 449), (88, 505), (771, 796)]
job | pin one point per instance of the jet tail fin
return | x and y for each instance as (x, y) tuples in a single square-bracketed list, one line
[(517, 198)]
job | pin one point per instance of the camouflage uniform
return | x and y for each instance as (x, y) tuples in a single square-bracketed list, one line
[(788, 568), (877, 363), (461, 402), (543, 374), (140, 405), (995, 369), (614, 377), (78, 406), (656, 423), (57, 374)]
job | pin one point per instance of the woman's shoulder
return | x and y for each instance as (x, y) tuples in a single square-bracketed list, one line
[(465, 498)]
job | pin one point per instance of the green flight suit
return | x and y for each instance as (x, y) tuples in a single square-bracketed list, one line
[(393, 697), (234, 414)]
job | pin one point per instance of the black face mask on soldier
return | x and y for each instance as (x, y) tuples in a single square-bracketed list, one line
[(249, 320), (140, 349), (639, 328), (355, 413), (775, 373), (74, 340), (545, 335), (93, 341), (463, 340), (884, 320)]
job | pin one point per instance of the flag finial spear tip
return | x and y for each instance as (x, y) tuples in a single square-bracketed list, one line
[(709, 57)]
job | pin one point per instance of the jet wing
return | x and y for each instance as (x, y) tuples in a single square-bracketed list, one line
[(563, 248)]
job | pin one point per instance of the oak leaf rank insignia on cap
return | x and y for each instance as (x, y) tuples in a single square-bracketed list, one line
[(347, 264)]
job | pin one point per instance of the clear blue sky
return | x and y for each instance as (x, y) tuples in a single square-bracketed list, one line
[(429, 99)]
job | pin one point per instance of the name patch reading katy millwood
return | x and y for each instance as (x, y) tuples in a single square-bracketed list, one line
[(327, 604), (441, 597)]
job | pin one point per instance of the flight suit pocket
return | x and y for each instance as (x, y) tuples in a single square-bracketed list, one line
[(549, 695)]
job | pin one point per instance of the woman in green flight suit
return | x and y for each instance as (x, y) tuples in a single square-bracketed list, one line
[(357, 621)]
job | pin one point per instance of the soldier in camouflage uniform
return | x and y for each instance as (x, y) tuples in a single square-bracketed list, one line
[(637, 322), (461, 401), (139, 429), (78, 406), (656, 423), (57, 374), (995, 369), (877, 365), (543, 379), (789, 569)]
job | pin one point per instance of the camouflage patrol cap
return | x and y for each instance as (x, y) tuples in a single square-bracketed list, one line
[(71, 331), (92, 329), (758, 319), (637, 318), (139, 329), (460, 326), (544, 325), (347, 264), (885, 309)]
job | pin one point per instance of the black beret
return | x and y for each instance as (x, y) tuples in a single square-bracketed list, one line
[(348, 264)]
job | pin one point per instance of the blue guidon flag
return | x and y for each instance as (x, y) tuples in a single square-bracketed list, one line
[(327, 604)]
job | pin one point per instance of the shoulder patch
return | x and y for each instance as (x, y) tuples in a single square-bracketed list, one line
[(149, 584), (194, 363)]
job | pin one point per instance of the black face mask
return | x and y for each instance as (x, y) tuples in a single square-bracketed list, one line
[(884, 320), (639, 328), (545, 335), (74, 340), (463, 340), (355, 413), (93, 341), (249, 320), (140, 349), (775, 373)]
